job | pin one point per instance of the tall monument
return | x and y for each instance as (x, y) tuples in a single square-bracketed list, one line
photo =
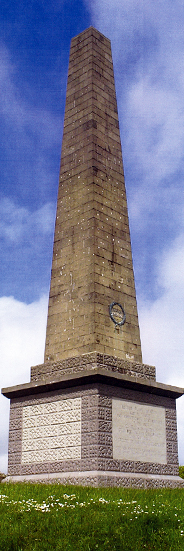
[(93, 413)]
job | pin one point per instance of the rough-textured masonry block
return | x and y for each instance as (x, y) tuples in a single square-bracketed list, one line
[(91, 361), (92, 262)]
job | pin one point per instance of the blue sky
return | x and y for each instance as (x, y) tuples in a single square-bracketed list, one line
[(148, 53)]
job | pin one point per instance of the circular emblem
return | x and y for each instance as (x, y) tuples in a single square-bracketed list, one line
[(117, 313)]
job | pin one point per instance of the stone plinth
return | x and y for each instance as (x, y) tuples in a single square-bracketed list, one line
[(80, 428)]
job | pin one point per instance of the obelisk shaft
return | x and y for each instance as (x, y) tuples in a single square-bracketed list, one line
[(92, 260)]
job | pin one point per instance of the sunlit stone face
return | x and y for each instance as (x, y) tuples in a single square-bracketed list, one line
[(139, 432), (52, 431)]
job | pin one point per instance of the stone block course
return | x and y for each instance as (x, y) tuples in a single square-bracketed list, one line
[(80, 362)]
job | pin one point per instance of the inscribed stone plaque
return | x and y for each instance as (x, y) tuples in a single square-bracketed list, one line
[(139, 432), (51, 431)]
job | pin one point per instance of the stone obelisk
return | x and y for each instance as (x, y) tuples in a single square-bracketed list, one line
[(93, 413), (92, 261)]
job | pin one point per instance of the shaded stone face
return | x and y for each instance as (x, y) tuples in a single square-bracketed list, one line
[(92, 262)]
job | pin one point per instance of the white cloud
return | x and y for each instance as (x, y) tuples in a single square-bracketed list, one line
[(162, 323), (122, 21), (156, 123), (18, 223), (126, 17), (22, 339)]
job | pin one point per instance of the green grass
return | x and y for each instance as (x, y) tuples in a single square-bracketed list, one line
[(64, 518), (181, 471)]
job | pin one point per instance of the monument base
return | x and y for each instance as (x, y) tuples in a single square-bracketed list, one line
[(103, 479), (107, 424)]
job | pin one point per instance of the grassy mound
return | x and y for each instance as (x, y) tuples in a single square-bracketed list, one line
[(64, 518)]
